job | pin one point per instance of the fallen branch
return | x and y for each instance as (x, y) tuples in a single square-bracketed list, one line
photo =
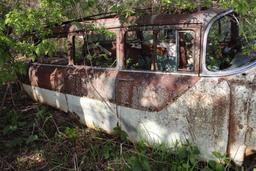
[(11, 93)]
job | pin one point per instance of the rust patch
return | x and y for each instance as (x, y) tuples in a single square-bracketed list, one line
[(47, 77), (150, 91), (231, 131), (75, 80), (232, 123), (239, 130), (144, 91), (91, 82), (220, 103)]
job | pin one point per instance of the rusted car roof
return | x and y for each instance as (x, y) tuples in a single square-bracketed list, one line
[(202, 17)]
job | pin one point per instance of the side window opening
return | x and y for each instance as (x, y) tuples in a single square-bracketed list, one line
[(186, 50), (156, 49), (225, 48), (167, 50), (221, 46), (95, 49), (138, 47), (79, 48), (53, 51)]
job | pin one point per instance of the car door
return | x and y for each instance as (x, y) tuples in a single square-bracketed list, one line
[(169, 102), (91, 81)]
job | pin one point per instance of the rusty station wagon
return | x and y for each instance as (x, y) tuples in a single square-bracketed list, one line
[(162, 78)]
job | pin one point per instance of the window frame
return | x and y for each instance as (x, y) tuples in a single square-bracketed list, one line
[(64, 54), (177, 29), (205, 71), (82, 33), (194, 48)]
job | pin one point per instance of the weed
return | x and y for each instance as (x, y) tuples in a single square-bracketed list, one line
[(50, 140), (71, 133), (117, 131), (31, 139), (11, 122)]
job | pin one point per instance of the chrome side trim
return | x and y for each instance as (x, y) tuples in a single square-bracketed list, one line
[(73, 66), (115, 69), (159, 72)]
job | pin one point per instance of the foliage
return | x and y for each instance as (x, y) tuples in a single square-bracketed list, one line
[(71, 133), (117, 131), (247, 12), (21, 22)]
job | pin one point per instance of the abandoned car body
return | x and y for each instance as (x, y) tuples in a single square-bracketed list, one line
[(161, 78)]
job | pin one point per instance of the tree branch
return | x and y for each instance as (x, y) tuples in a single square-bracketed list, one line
[(4, 98)]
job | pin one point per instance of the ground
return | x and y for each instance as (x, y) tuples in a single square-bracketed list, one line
[(38, 137)]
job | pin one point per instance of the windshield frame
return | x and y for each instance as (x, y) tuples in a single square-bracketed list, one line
[(204, 70)]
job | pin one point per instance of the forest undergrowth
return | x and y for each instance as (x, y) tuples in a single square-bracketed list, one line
[(38, 137)]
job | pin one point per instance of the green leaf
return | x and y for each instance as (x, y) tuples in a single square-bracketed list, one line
[(218, 155), (207, 169), (193, 159), (15, 142), (31, 139), (219, 167), (120, 133), (70, 132), (212, 163), (9, 129), (145, 165)]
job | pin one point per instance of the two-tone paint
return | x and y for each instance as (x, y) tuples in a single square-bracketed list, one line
[(214, 110)]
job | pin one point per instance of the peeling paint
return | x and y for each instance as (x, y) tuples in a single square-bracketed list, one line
[(216, 113)]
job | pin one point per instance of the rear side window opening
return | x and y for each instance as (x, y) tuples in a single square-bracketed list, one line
[(226, 49), (95, 49), (53, 51), (155, 49)]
